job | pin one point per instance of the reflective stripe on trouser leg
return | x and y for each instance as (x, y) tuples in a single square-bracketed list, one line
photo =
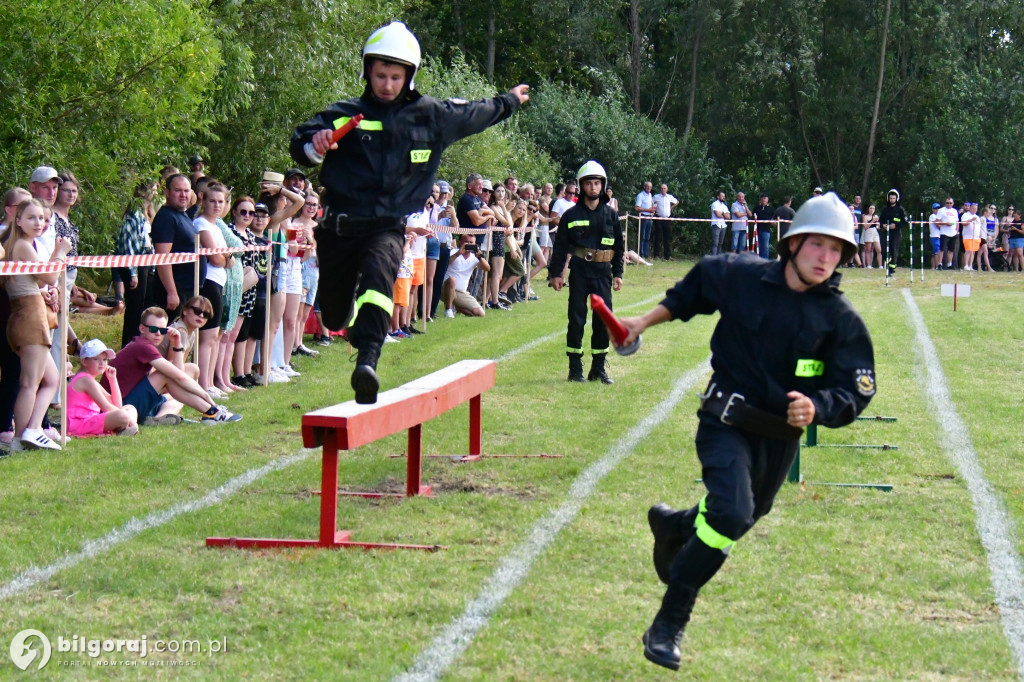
[(708, 535), (374, 298), (598, 351), (574, 351)]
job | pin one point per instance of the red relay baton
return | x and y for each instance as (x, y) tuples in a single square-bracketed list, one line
[(346, 129), (616, 329)]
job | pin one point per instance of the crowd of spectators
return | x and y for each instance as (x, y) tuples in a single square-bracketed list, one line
[(188, 342)]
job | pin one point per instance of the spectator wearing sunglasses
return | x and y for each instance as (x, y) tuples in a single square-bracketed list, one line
[(157, 387), (194, 314)]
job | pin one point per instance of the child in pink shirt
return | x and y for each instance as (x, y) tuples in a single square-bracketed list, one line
[(92, 411)]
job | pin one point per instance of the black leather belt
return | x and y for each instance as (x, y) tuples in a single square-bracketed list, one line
[(343, 224), (732, 409)]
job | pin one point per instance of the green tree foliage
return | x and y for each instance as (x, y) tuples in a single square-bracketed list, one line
[(286, 62), (501, 150), (107, 90)]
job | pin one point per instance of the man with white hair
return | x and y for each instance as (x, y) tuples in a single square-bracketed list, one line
[(789, 350)]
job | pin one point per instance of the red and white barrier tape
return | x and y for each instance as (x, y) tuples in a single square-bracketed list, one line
[(16, 267)]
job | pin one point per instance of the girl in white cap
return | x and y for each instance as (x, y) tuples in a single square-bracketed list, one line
[(92, 411)]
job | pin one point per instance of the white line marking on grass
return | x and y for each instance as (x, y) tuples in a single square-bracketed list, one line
[(431, 663), (92, 548), (994, 524), (33, 575)]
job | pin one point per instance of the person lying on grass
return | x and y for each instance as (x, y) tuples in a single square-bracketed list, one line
[(92, 411)]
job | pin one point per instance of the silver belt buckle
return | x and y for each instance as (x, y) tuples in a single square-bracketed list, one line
[(728, 406), (590, 255)]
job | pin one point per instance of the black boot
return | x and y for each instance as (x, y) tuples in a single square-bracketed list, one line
[(671, 530), (364, 376), (597, 370), (575, 367), (661, 641)]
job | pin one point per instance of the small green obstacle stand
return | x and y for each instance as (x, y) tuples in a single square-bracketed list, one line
[(812, 441)]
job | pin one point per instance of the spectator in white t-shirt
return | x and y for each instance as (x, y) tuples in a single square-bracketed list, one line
[(455, 294), (663, 205), (948, 221), (719, 214)]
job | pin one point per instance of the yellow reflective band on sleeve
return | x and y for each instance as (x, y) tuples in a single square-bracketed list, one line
[(810, 368), (574, 351), (419, 155), (374, 298), (363, 125), (579, 223), (607, 241), (708, 535)]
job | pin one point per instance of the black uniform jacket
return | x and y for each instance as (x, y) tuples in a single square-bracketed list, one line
[(385, 168), (771, 340), (581, 227), (893, 214)]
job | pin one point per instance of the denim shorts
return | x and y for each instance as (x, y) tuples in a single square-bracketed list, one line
[(433, 248), (1017, 243), (936, 244), (310, 281)]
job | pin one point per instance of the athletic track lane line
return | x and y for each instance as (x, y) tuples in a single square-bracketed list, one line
[(450, 644), (995, 527)]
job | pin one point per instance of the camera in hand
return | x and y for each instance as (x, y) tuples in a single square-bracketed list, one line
[(471, 248)]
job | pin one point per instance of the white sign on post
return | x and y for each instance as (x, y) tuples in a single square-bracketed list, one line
[(958, 290)]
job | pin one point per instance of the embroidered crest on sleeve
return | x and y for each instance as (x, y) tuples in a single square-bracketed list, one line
[(865, 380)]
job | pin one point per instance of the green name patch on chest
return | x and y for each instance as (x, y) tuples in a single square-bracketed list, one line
[(810, 368)]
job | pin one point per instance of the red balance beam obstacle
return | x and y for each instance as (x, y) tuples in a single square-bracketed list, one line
[(348, 425)]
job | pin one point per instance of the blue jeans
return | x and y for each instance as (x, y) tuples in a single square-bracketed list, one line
[(646, 224), (739, 240), (763, 237)]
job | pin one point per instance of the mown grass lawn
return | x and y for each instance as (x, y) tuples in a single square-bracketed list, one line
[(834, 583)]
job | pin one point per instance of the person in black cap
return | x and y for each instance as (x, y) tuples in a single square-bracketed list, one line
[(764, 215), (376, 175), (295, 180), (197, 168)]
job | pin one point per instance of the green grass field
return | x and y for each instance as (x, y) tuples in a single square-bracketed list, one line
[(840, 583)]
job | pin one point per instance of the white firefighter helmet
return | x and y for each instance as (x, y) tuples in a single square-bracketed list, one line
[(891, 192), (826, 215), (393, 43), (592, 169)]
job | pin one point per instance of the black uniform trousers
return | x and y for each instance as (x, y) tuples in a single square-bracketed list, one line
[(586, 279), (135, 301), (743, 473), (357, 277), (662, 238), (895, 238)]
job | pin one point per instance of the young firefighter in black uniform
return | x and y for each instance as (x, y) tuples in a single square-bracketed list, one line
[(788, 351), (375, 176), (590, 234), (892, 220)]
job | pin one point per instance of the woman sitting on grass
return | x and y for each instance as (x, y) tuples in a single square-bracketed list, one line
[(92, 411)]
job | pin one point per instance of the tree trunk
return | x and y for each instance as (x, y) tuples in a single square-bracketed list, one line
[(635, 52), (490, 41), (878, 99), (693, 77), (799, 110)]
